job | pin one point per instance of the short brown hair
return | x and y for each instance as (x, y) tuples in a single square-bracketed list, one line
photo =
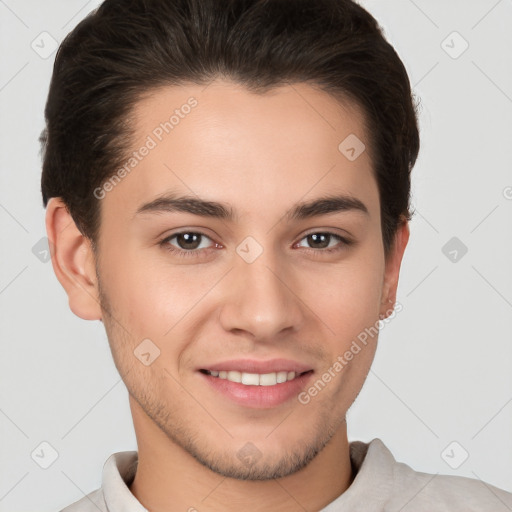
[(126, 47)]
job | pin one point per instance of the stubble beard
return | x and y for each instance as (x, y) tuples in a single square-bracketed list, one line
[(268, 466)]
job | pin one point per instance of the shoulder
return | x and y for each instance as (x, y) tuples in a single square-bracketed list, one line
[(114, 493), (418, 491), (383, 484), (93, 502), (447, 492)]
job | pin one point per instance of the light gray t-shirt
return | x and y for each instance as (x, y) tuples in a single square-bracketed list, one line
[(381, 484)]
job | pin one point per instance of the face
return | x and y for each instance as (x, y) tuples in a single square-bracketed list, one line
[(253, 285)]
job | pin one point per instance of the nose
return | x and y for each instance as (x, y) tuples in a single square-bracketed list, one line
[(262, 299)]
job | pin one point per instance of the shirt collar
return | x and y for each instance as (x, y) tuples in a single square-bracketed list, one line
[(372, 462), (118, 474), (371, 488)]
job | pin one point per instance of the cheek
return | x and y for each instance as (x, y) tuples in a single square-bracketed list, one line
[(151, 300), (134, 292), (349, 299)]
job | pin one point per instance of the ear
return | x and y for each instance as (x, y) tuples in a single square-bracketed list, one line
[(392, 269), (73, 261)]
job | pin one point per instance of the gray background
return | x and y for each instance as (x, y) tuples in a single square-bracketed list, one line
[(440, 389)]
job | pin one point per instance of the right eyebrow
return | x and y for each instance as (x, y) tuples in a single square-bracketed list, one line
[(188, 204)]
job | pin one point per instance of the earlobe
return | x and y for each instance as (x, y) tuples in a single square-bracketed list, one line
[(392, 269), (73, 261)]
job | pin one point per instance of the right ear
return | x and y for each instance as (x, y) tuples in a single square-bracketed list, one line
[(73, 261)]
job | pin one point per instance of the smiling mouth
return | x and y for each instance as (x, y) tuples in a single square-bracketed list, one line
[(256, 379)]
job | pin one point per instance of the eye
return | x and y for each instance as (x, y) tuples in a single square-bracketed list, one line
[(321, 241), (188, 243), (194, 243)]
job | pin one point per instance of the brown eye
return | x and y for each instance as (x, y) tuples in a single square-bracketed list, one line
[(187, 243), (319, 240), (188, 240), (322, 241)]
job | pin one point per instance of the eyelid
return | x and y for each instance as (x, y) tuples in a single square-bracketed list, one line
[(332, 231), (180, 231)]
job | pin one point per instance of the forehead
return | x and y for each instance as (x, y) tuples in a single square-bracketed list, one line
[(225, 143)]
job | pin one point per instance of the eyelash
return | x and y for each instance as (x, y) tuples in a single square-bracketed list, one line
[(193, 253)]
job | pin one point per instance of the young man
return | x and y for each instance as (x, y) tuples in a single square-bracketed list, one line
[(227, 188)]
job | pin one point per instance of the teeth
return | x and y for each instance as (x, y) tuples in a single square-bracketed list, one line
[(268, 379), (281, 377), (234, 376), (254, 379), (250, 379)]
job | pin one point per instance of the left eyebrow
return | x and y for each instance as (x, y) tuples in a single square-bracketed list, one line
[(300, 211), (325, 205)]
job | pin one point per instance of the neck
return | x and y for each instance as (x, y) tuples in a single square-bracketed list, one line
[(169, 479)]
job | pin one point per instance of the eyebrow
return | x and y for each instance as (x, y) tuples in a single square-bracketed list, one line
[(304, 210)]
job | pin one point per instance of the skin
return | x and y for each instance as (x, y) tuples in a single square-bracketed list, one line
[(260, 154)]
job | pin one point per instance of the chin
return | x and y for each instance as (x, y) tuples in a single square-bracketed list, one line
[(249, 463)]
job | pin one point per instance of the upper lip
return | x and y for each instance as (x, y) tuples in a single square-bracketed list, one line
[(261, 367)]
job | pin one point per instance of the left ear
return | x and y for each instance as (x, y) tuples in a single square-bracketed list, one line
[(392, 269)]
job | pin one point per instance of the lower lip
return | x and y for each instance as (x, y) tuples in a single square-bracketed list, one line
[(259, 397)]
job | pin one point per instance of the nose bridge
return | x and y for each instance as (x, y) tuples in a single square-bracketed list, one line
[(259, 298)]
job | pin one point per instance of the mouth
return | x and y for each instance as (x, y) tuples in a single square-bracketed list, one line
[(256, 379), (257, 384)]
